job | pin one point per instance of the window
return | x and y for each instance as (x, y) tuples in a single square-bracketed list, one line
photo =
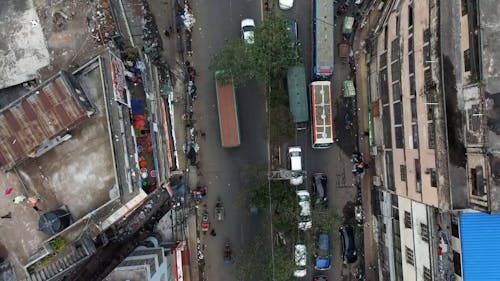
[(383, 60), (427, 54), (464, 7), (427, 35), (396, 92), (409, 256), (399, 135), (433, 176), (389, 162), (407, 219), (413, 87), (410, 16), (402, 172), (430, 112), (395, 49), (397, 26), (467, 60), (414, 129), (386, 126), (413, 106), (427, 274), (454, 228), (457, 263), (411, 63), (418, 176), (397, 110), (384, 87), (431, 136), (424, 231), (477, 179), (386, 37), (395, 71)]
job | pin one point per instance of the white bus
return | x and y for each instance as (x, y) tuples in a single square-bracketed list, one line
[(322, 122)]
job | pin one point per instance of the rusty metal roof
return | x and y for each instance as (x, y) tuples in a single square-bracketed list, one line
[(56, 106)]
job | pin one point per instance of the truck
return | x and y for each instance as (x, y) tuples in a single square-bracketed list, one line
[(297, 96), (323, 39), (228, 113)]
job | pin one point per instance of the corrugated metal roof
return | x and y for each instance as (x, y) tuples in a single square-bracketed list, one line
[(57, 105), (480, 238)]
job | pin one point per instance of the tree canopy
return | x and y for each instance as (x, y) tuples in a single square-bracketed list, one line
[(267, 59)]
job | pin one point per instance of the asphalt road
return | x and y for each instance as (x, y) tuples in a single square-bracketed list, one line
[(334, 161), (224, 170)]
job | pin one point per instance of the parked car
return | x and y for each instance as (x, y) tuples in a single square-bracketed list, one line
[(300, 260), (305, 220), (286, 4), (322, 257), (295, 160), (348, 244), (319, 183), (320, 278), (247, 30)]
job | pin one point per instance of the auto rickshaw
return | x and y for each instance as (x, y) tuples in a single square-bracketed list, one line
[(219, 210), (205, 224)]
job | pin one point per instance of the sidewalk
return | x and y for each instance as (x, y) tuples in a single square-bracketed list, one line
[(362, 86)]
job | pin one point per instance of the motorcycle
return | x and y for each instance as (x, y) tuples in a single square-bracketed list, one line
[(227, 253)]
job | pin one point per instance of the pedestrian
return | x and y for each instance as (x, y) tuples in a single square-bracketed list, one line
[(7, 216), (213, 232), (167, 33)]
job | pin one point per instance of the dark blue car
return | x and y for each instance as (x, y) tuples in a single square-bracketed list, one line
[(323, 252)]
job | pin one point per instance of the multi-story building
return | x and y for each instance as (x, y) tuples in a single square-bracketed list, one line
[(434, 82)]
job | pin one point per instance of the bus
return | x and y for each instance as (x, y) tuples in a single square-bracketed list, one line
[(323, 39), (297, 96), (322, 121)]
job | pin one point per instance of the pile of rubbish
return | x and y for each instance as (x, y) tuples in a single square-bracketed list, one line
[(100, 22)]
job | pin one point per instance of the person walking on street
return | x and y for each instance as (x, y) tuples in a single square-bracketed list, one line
[(213, 232)]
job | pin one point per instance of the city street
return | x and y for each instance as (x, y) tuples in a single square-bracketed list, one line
[(224, 169), (334, 161)]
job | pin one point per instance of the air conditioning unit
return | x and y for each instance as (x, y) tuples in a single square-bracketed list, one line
[(374, 150), (377, 181)]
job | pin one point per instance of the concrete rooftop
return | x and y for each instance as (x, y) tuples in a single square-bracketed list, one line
[(22, 44), (78, 173)]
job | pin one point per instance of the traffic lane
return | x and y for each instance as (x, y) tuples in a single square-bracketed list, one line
[(302, 13), (221, 167)]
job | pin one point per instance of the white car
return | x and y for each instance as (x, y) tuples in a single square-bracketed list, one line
[(286, 4), (305, 220), (247, 30), (295, 157), (300, 260)]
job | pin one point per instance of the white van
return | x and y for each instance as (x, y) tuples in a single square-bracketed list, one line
[(300, 260), (295, 158), (304, 200)]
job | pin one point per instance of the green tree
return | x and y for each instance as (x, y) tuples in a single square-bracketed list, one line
[(272, 50), (282, 127), (265, 60), (255, 261)]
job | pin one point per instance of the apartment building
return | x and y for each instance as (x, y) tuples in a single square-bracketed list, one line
[(433, 86), (410, 114)]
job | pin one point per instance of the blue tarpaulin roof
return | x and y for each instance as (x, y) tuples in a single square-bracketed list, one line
[(480, 238)]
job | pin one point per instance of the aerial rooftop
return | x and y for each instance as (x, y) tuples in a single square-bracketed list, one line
[(32, 121)]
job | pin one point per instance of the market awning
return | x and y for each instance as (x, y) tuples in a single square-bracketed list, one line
[(349, 90)]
